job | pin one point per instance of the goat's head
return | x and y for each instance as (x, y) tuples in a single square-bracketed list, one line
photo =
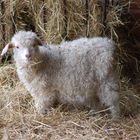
[(25, 46)]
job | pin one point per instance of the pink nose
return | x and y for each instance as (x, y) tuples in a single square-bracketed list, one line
[(28, 56)]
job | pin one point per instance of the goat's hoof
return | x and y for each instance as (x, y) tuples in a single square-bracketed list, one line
[(42, 111)]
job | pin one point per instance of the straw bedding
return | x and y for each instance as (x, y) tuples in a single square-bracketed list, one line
[(19, 119)]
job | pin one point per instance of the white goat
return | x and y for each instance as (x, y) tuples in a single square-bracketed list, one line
[(80, 72)]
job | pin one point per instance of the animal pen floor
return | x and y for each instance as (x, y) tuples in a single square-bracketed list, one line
[(20, 121)]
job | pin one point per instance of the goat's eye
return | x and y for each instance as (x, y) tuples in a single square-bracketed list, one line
[(17, 47)]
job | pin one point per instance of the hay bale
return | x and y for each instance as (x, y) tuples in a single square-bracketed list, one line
[(135, 16), (67, 19), (129, 44)]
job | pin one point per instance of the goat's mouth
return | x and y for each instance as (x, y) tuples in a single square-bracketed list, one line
[(28, 61)]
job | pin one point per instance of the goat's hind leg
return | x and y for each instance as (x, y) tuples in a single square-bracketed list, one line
[(110, 97)]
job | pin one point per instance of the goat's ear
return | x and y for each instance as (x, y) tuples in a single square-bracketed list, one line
[(6, 48), (38, 42)]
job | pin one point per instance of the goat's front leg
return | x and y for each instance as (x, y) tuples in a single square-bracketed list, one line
[(44, 103)]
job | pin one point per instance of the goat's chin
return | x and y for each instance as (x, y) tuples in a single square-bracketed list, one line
[(25, 63)]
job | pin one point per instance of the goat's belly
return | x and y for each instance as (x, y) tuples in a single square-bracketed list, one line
[(78, 100)]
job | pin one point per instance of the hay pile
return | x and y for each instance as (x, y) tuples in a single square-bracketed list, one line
[(56, 20), (19, 119)]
